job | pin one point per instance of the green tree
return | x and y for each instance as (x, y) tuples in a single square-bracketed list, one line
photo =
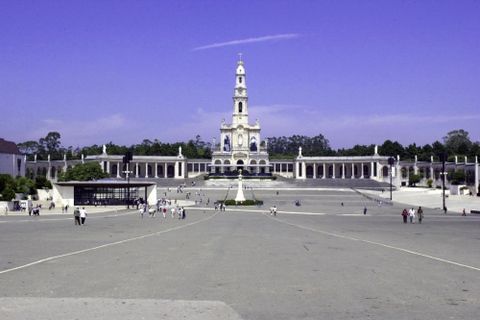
[(283, 147), (8, 194), (457, 141), (190, 150), (50, 145), (84, 172), (458, 177), (389, 148), (6, 181), (425, 153), (413, 179), (40, 181), (26, 186), (28, 148), (437, 149)]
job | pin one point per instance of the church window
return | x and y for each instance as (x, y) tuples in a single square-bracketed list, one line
[(240, 107), (240, 79)]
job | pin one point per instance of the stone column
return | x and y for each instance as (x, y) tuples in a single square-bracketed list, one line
[(476, 176), (324, 170), (333, 170), (343, 170), (119, 169), (146, 169), (353, 171)]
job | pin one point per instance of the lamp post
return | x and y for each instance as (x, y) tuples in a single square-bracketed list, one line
[(443, 158), (126, 160), (391, 161)]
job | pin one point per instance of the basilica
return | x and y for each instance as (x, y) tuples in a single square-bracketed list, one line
[(240, 146)]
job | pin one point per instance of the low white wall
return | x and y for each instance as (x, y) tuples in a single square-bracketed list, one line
[(456, 190)]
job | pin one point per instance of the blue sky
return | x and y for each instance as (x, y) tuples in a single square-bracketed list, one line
[(358, 72)]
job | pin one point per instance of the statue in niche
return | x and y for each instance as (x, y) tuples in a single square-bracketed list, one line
[(240, 139), (226, 143), (253, 144)]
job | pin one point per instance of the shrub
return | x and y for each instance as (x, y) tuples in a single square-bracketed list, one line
[(430, 182), (8, 194), (232, 202)]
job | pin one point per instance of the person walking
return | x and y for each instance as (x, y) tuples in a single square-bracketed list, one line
[(83, 215), (420, 214), (411, 213), (365, 210), (405, 215), (76, 215), (274, 211), (464, 213)]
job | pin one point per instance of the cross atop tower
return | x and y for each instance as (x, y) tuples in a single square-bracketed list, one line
[(240, 55)]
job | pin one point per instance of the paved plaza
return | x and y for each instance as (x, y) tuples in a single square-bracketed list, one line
[(324, 259)]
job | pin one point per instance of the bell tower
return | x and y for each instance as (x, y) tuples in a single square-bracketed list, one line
[(240, 145), (240, 96)]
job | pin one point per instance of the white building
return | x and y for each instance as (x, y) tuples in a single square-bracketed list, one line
[(240, 144), (12, 161)]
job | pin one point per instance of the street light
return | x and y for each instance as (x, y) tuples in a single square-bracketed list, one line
[(443, 158), (391, 161), (126, 160)]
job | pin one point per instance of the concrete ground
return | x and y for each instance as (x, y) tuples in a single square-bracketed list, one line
[(324, 259)]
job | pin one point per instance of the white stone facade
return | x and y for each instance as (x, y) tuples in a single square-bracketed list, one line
[(240, 144)]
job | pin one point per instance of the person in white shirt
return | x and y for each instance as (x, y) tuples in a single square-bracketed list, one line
[(83, 215), (411, 213)]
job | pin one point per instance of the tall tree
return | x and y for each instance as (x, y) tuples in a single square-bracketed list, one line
[(457, 141), (438, 148), (393, 149), (50, 145), (28, 148)]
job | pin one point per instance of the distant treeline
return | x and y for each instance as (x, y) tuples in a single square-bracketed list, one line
[(455, 143)]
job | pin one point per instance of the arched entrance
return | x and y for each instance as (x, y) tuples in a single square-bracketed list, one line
[(170, 171), (309, 172), (240, 165)]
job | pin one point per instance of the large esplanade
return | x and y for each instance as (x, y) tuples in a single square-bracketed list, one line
[(241, 147)]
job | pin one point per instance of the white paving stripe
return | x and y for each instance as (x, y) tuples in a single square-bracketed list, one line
[(382, 245), (105, 245)]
